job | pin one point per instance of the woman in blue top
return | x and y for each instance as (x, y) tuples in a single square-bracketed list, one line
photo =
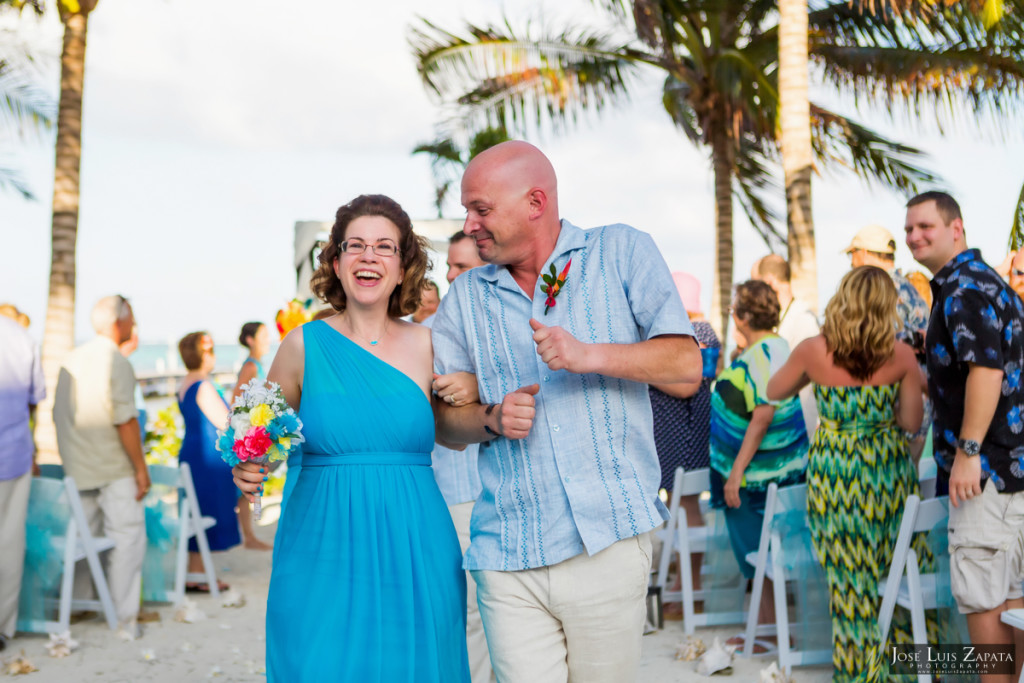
[(256, 337), (204, 411), (367, 583)]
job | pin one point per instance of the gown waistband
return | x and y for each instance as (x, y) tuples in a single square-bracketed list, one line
[(856, 427), (370, 458)]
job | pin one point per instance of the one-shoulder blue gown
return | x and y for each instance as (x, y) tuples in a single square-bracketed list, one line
[(367, 582)]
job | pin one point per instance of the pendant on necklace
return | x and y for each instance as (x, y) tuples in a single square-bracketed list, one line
[(374, 342)]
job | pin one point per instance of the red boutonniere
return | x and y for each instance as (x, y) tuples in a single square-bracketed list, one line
[(553, 284)]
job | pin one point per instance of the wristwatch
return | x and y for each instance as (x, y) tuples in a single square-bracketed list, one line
[(970, 448)]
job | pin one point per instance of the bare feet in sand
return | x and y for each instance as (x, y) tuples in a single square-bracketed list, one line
[(253, 543)]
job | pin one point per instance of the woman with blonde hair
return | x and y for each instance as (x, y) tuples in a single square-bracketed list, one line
[(868, 390)]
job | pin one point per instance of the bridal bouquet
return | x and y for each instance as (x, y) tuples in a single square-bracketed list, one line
[(262, 428)]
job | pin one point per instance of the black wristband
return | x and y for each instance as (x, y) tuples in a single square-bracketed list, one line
[(488, 411)]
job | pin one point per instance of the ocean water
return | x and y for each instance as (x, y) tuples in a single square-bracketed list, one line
[(162, 359)]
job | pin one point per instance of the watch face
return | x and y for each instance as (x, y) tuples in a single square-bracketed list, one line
[(970, 447)]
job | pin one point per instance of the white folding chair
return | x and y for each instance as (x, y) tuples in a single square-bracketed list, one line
[(919, 591), (76, 544), (927, 474), (1014, 618), (189, 524), (685, 540), (769, 561)]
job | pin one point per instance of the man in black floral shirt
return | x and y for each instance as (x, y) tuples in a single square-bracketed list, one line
[(975, 349)]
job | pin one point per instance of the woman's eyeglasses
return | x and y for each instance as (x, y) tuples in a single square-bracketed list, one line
[(381, 248)]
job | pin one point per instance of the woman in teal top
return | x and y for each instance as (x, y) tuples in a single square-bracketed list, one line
[(754, 441), (256, 338), (367, 581)]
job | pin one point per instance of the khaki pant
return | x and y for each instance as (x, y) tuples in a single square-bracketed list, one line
[(581, 620), (13, 509), (986, 549), (476, 641), (112, 511)]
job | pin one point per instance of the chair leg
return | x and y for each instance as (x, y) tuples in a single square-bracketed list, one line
[(755, 605), (181, 557), (781, 607), (204, 552), (67, 584), (919, 627), (686, 575)]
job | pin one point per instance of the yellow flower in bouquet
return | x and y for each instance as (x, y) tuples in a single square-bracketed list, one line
[(261, 415)]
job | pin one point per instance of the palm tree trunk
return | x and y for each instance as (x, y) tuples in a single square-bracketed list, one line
[(59, 333), (721, 292), (795, 117)]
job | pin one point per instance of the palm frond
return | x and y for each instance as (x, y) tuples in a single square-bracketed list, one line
[(23, 106), (839, 141), (12, 180), (975, 76), (753, 186), (503, 75), (1017, 228)]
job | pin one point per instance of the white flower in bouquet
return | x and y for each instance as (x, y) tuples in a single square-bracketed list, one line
[(256, 392), (240, 423)]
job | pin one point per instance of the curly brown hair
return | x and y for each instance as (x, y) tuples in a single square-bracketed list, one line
[(860, 321), (412, 250), (756, 302)]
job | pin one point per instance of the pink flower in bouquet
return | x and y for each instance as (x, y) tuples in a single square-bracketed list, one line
[(254, 444)]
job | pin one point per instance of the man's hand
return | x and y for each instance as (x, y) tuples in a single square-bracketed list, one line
[(516, 413), (559, 349), (141, 483), (732, 489), (964, 478), (249, 478)]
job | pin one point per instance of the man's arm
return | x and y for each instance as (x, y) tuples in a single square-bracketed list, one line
[(665, 359), (475, 423), (131, 440), (981, 396)]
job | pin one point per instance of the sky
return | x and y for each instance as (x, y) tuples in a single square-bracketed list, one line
[(211, 127)]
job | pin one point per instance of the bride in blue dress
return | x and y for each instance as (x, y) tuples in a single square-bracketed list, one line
[(367, 581)]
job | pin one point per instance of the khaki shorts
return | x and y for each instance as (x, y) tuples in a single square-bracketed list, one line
[(986, 550)]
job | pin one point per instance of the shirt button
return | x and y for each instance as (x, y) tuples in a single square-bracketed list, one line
[(546, 378), (555, 428), (568, 479)]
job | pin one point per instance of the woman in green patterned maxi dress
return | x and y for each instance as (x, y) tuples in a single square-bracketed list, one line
[(869, 393)]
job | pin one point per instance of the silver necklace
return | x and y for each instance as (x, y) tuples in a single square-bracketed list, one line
[(371, 342)]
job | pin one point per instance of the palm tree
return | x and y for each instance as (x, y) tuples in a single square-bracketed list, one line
[(795, 147), (448, 161), (59, 332), (720, 59), (24, 108)]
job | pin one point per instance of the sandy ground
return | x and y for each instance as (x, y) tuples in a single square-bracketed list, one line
[(230, 644)]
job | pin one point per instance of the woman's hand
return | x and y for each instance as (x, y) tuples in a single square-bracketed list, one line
[(732, 489), (249, 478), (456, 389)]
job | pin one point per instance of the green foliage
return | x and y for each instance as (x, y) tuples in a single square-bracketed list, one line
[(1017, 228), (163, 441), (448, 159), (720, 60)]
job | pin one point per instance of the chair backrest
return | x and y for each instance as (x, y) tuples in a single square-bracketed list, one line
[(693, 483), (930, 513), (927, 469), (51, 471), (165, 475)]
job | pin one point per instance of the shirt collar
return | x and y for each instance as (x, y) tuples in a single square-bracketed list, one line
[(570, 238), (954, 264)]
